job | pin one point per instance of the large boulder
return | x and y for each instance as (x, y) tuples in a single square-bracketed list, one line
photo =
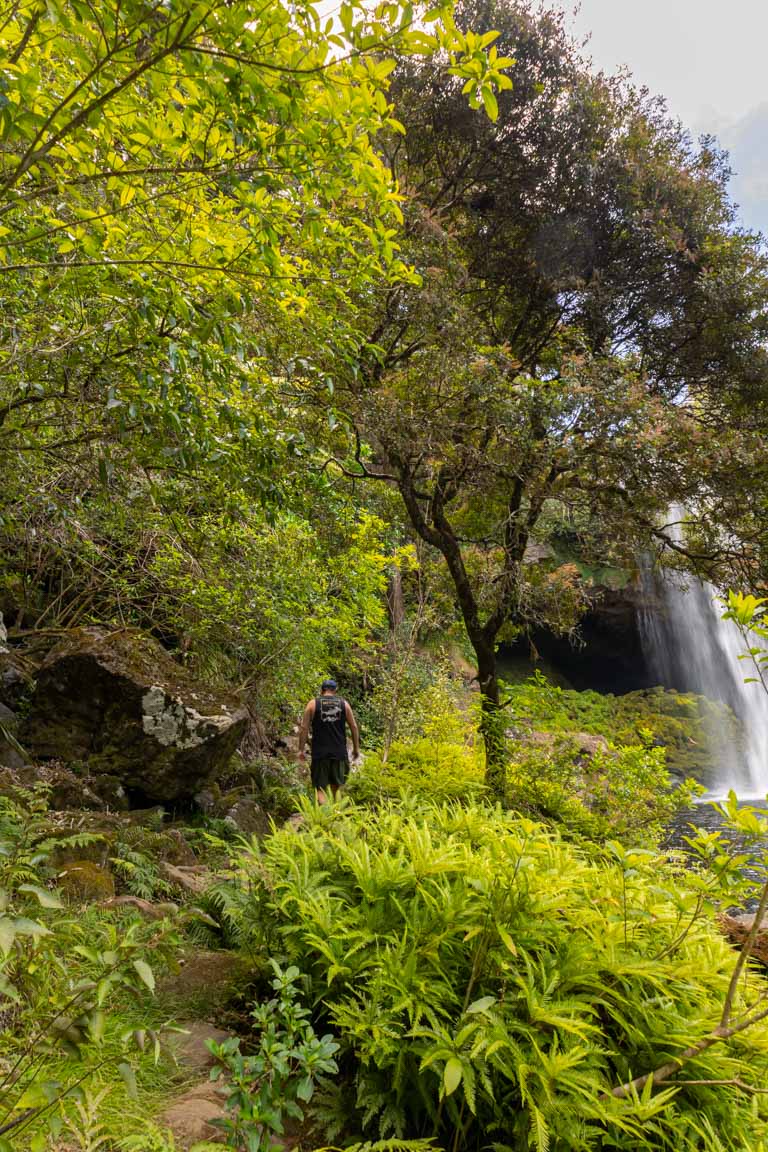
[(10, 755), (117, 703), (16, 677)]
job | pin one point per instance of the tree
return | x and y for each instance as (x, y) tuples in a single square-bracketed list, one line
[(586, 346), (168, 170), (187, 190)]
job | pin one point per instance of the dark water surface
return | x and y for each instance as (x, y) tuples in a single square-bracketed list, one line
[(704, 815)]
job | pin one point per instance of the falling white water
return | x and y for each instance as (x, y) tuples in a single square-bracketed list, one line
[(688, 644)]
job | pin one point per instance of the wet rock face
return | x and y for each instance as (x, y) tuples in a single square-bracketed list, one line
[(15, 678), (117, 703), (10, 757)]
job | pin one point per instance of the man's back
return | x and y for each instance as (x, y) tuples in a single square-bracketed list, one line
[(329, 729), (327, 717)]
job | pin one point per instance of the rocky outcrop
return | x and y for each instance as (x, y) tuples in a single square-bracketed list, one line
[(16, 677), (738, 927), (117, 703), (193, 1117)]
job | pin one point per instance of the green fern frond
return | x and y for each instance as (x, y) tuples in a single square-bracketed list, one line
[(386, 1146)]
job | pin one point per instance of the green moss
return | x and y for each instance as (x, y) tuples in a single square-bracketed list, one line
[(83, 881), (692, 729)]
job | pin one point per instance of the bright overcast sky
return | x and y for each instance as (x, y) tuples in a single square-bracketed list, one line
[(709, 58)]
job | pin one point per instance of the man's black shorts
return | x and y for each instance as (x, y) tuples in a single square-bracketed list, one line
[(328, 771)]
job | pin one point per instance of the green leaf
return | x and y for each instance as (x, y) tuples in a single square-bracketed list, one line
[(26, 927), (98, 1023), (506, 939), (452, 1074), (46, 898), (128, 1076), (145, 973), (482, 1005), (305, 1088), (7, 935), (490, 103), (34, 1096)]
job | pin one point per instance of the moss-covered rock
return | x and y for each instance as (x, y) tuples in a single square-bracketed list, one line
[(86, 882), (117, 703), (691, 728)]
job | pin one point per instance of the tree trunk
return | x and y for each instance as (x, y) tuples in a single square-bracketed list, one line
[(491, 718), (395, 601)]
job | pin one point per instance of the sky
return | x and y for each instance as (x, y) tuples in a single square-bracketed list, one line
[(709, 58)]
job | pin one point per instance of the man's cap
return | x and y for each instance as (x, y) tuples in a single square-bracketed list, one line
[(328, 686)]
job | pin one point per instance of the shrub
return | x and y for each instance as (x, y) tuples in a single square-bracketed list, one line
[(426, 768), (490, 983), (605, 792), (414, 694), (62, 978), (691, 728), (280, 1076)]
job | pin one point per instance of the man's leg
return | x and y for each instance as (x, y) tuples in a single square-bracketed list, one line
[(320, 781)]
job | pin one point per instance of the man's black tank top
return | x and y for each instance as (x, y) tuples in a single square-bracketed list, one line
[(329, 733)]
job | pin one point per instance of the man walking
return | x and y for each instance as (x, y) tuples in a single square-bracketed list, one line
[(328, 715)]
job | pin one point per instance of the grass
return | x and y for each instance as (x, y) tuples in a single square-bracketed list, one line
[(125, 1107)]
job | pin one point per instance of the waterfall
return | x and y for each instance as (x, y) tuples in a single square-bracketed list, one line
[(689, 645)]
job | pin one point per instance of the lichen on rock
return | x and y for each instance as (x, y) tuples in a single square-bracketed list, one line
[(174, 724), (117, 703)]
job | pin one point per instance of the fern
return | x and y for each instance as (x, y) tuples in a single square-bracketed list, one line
[(386, 1146), (139, 873), (232, 917), (85, 1127), (489, 980)]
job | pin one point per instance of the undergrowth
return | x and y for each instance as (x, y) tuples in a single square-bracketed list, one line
[(490, 983), (691, 728)]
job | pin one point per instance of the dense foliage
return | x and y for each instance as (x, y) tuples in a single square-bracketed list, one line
[(361, 342), (586, 343), (688, 727), (489, 982), (62, 975), (190, 194)]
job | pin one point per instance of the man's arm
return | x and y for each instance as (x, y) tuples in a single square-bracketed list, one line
[(306, 720), (353, 729)]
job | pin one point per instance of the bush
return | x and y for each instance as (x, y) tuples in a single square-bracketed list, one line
[(66, 979), (426, 769), (280, 1076), (491, 984), (610, 791), (414, 694), (691, 728)]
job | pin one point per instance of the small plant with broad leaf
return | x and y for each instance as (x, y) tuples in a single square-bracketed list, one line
[(275, 1082)]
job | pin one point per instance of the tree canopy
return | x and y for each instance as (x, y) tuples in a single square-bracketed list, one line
[(170, 169), (586, 344)]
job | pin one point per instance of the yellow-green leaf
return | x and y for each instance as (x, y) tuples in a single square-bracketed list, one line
[(145, 973), (452, 1075)]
